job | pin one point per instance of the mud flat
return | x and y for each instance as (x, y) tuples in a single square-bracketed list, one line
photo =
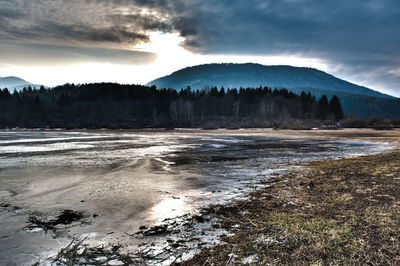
[(131, 197)]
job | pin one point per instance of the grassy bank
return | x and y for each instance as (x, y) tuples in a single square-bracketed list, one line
[(343, 211)]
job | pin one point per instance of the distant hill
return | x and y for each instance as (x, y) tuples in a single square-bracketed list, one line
[(16, 83), (357, 100), (255, 75)]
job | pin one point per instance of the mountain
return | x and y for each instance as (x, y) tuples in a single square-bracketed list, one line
[(16, 83), (255, 75), (356, 100)]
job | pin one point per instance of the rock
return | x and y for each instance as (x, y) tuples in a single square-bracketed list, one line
[(156, 230), (199, 219)]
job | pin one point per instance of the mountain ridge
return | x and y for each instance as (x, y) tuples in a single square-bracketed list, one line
[(231, 75), (15, 83)]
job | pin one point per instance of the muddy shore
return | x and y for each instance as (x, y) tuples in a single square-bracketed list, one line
[(341, 212)]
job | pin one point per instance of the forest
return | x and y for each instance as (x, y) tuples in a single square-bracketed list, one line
[(110, 105)]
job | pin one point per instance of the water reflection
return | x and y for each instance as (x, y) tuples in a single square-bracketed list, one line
[(170, 207)]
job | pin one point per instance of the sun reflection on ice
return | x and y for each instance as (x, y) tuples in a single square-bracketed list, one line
[(169, 208)]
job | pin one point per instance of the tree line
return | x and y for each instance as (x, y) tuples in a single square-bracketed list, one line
[(110, 105)]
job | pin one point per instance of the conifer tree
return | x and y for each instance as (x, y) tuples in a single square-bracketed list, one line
[(323, 108), (336, 108)]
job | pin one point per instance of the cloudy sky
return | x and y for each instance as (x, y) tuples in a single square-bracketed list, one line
[(134, 41)]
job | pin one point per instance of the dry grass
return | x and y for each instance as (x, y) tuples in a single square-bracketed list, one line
[(343, 211)]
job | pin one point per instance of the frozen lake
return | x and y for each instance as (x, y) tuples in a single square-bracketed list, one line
[(121, 181)]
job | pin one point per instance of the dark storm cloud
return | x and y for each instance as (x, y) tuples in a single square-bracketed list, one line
[(260, 27), (10, 13), (68, 33), (217, 26), (114, 34), (51, 21), (60, 32), (360, 37)]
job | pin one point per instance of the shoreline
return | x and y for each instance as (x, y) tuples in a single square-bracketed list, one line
[(340, 133), (331, 211), (211, 217)]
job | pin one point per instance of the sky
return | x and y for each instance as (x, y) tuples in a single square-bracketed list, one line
[(54, 42)]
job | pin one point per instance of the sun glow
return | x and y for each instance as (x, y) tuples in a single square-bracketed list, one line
[(171, 56)]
